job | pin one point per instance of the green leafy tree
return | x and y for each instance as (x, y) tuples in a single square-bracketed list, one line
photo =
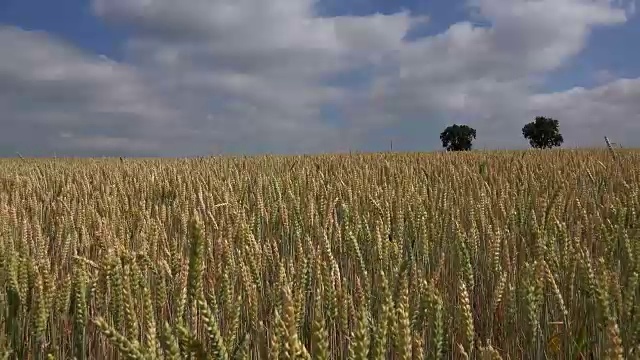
[(457, 137), (543, 133)]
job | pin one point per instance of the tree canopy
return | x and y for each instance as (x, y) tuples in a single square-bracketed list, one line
[(458, 137), (543, 133)]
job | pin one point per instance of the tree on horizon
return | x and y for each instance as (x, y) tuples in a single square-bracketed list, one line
[(543, 133), (458, 137)]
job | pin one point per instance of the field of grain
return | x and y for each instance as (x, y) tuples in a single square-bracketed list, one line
[(478, 255)]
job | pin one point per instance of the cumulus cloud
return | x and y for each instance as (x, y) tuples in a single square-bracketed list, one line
[(260, 72), (485, 75), (49, 88), (205, 76), (590, 114)]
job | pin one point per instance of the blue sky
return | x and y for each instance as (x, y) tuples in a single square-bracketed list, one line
[(71, 20), (118, 77)]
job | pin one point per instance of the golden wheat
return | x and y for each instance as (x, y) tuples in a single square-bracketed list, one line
[(479, 255)]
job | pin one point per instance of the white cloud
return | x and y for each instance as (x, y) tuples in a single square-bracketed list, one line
[(48, 86), (487, 73), (250, 75), (262, 70), (604, 76), (590, 114)]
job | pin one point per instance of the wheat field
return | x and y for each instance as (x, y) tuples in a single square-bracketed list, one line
[(477, 255)]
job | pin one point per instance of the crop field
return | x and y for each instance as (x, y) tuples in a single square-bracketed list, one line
[(471, 255)]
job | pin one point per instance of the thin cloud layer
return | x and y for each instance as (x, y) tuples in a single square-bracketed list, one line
[(54, 97), (246, 76)]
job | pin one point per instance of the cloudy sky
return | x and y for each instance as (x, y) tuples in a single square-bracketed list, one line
[(197, 77)]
